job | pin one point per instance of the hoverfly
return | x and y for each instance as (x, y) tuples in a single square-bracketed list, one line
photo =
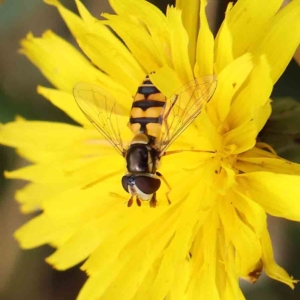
[(156, 122)]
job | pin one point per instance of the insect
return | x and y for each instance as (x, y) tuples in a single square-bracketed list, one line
[(156, 122)]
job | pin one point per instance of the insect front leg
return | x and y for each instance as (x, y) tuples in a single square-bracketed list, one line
[(130, 201), (153, 201), (138, 201)]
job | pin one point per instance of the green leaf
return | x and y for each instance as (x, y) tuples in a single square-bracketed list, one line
[(282, 130)]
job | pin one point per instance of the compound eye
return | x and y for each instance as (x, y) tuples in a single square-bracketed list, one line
[(125, 183), (146, 184)]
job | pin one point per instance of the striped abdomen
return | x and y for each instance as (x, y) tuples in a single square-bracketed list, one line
[(146, 109)]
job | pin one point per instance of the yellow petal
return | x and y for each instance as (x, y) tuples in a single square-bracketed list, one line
[(229, 81), (146, 52), (271, 268), (147, 281), (179, 51), (91, 35), (262, 115), (190, 180), (207, 137), (178, 287), (69, 173), (121, 243), (56, 67), (252, 96), (243, 137), (90, 147), (29, 138), (31, 134), (260, 160), (145, 11), (279, 39), (223, 262), (168, 88), (36, 174), (82, 203), (113, 265), (39, 231), (188, 225), (57, 63), (226, 178), (109, 258), (85, 240), (107, 58), (223, 46), (245, 241), (190, 18), (231, 287), (204, 259), (152, 18), (278, 194), (246, 20), (205, 46), (204, 278), (66, 102), (250, 212), (33, 195), (72, 20)]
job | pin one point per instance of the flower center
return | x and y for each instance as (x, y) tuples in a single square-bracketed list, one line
[(225, 172), (226, 154)]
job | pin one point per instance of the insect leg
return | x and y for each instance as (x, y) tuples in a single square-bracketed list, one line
[(165, 120), (138, 201), (153, 201), (179, 151), (130, 201), (99, 180), (167, 184), (167, 128), (171, 107)]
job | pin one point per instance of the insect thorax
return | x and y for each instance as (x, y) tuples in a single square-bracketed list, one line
[(142, 158)]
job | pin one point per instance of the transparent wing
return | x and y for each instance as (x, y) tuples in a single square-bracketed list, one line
[(102, 111), (182, 108)]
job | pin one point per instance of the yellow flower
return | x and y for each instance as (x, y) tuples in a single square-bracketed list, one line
[(215, 230)]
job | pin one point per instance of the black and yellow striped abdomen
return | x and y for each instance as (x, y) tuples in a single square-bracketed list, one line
[(146, 110)]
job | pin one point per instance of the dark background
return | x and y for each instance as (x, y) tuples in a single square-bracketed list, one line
[(24, 274)]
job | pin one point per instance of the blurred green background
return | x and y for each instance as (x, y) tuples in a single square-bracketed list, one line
[(24, 274)]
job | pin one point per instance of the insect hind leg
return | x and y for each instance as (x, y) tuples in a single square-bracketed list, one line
[(191, 150)]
